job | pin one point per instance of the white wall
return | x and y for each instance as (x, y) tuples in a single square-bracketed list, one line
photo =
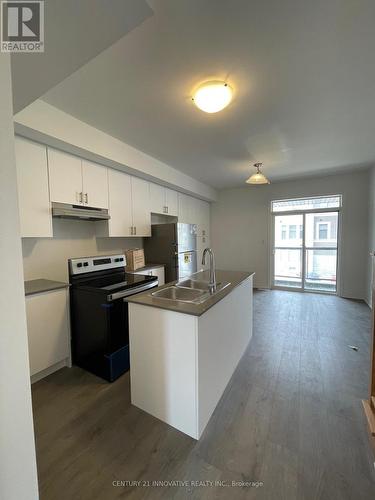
[(240, 226), (371, 234), (48, 257), (18, 477), (45, 123)]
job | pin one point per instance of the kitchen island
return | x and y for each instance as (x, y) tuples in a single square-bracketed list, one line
[(183, 354)]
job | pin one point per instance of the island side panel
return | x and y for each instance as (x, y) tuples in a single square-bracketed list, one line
[(163, 365), (224, 332)]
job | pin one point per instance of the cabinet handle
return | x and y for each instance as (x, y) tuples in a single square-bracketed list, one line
[(86, 198)]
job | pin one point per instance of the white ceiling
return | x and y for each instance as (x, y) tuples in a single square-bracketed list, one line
[(303, 73), (75, 32)]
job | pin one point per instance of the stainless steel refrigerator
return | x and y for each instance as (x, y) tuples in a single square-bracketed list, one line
[(175, 246)]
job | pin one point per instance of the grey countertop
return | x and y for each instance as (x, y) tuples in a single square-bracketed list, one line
[(145, 268), (42, 285), (235, 278)]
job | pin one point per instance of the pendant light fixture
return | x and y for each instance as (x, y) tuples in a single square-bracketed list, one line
[(258, 177)]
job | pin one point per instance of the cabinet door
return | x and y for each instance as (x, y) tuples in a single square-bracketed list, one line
[(65, 177), (202, 217), (171, 202), (33, 191), (141, 207), (205, 219), (95, 184), (159, 272), (47, 329), (120, 204), (184, 209), (157, 199)]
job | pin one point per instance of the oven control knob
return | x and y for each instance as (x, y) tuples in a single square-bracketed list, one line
[(85, 264), (79, 264)]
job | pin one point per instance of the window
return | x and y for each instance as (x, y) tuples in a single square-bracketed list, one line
[(305, 204), (292, 232), (322, 230), (283, 232)]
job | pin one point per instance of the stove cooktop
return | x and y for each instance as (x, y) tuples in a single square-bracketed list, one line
[(116, 281)]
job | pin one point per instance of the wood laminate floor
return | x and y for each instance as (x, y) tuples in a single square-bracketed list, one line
[(291, 418)]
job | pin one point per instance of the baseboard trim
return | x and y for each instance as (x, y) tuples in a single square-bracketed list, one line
[(48, 371)]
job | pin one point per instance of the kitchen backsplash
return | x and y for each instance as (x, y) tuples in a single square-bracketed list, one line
[(48, 257)]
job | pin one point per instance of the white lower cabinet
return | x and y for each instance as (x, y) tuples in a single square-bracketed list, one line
[(48, 330), (180, 364), (156, 271), (160, 273)]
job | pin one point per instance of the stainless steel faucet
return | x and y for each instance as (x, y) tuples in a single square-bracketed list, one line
[(212, 282)]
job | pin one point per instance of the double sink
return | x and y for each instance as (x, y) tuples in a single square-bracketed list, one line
[(189, 290)]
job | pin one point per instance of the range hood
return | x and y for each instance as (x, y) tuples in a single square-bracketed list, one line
[(66, 211)]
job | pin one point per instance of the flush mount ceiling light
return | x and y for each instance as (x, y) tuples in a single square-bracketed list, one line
[(258, 177), (212, 97)]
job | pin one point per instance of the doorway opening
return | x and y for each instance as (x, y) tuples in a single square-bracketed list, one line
[(305, 243)]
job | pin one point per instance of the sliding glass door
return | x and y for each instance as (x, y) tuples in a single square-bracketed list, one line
[(321, 251), (288, 251), (305, 245)]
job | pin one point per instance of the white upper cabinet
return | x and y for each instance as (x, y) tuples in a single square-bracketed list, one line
[(171, 202), (129, 207), (95, 184), (48, 175), (157, 199), (188, 209), (163, 200), (141, 207), (33, 192), (203, 218), (120, 205), (65, 177), (194, 211), (185, 211), (76, 181)]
